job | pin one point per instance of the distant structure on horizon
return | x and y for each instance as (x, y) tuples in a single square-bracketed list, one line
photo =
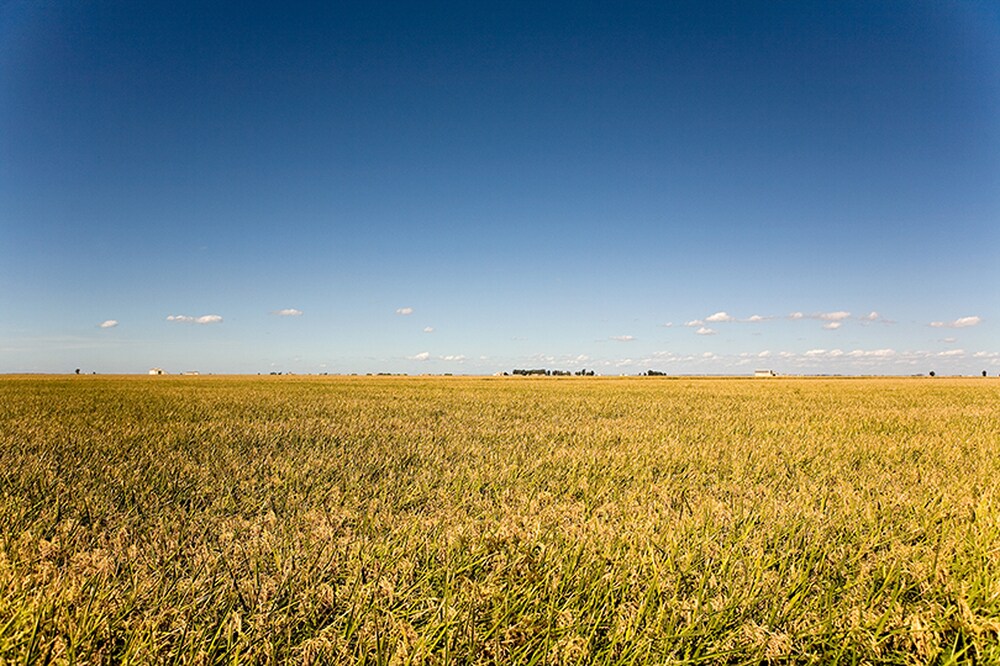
[(157, 371), (765, 373)]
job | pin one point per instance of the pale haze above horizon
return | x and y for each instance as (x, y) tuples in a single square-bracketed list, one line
[(446, 187)]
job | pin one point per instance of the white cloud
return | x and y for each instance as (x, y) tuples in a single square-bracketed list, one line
[(832, 325), (719, 317), (764, 354), (404, 311), (422, 356), (952, 352), (815, 352), (623, 338), (949, 340), (428, 329), (453, 357), (873, 353), (668, 324), (753, 319), (704, 330), (875, 317), (694, 323), (838, 316), (961, 322), (204, 319), (108, 323), (288, 312)]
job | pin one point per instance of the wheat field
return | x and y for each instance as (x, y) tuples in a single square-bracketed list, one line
[(491, 520)]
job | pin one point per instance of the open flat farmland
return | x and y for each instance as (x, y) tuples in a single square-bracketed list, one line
[(499, 520)]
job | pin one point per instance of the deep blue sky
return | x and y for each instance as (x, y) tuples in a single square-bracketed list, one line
[(541, 185)]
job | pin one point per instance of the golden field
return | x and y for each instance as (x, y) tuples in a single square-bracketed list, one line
[(499, 520)]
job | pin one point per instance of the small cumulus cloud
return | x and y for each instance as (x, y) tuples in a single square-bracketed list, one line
[(949, 340), (832, 325), (872, 353), (288, 312), (764, 354), (668, 324), (204, 319), (428, 329), (704, 330), (951, 353), (874, 316), (961, 322), (454, 357), (837, 317), (754, 319), (719, 317), (108, 323), (623, 338), (422, 356), (694, 323), (404, 311)]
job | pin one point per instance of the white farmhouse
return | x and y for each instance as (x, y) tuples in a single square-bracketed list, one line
[(765, 373), (156, 371)]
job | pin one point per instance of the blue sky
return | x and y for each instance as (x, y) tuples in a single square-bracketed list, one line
[(455, 187)]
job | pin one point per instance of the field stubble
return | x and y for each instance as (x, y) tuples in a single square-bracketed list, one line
[(499, 520)]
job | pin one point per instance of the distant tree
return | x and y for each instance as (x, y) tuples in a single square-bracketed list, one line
[(984, 373), (78, 371), (932, 373)]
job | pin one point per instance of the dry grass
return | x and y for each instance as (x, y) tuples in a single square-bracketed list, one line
[(401, 520)]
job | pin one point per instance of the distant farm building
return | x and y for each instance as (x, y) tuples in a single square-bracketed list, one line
[(190, 373), (765, 373), (156, 371)]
